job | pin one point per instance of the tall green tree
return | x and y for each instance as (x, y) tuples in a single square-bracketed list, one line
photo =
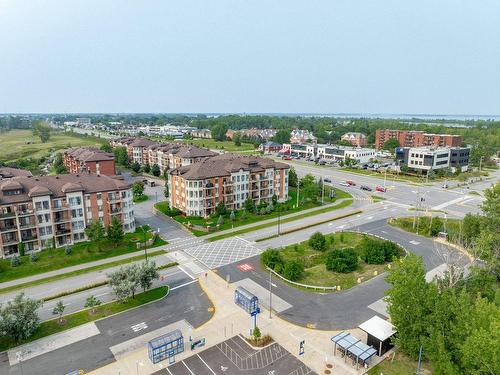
[(147, 274), (138, 189), (58, 165), (59, 310), (121, 156), (125, 281), (155, 170), (115, 231), (95, 233), (391, 145), (106, 147), (282, 136), (219, 132), (292, 178)]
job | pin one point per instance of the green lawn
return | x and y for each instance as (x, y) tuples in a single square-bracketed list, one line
[(401, 365), (315, 272), (142, 198), (14, 144), (217, 145), (73, 320), (281, 209), (83, 252), (287, 220)]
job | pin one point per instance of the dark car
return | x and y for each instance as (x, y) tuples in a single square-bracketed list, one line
[(367, 188), (328, 180)]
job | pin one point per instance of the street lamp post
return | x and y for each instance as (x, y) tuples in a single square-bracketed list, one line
[(279, 219), (19, 356), (270, 295)]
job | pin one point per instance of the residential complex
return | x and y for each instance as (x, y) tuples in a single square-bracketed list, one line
[(330, 152), (38, 211), (80, 160), (201, 133), (174, 155), (354, 138), (414, 138), (137, 148), (7, 172), (198, 188), (252, 133), (426, 158), (301, 136)]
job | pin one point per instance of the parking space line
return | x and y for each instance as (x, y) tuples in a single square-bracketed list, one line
[(182, 285), (184, 363), (166, 368), (213, 372), (183, 270)]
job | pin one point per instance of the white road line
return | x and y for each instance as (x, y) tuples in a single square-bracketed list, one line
[(166, 368), (180, 286), (213, 372), (101, 295), (183, 270), (188, 367)]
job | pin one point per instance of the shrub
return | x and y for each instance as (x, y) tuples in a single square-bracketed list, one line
[(374, 251), (220, 221), (68, 250), (263, 211), (317, 241), (373, 255), (15, 261), (272, 258), (294, 269), (341, 260), (33, 257), (435, 227)]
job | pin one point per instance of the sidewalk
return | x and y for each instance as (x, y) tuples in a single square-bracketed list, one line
[(273, 220), (230, 320)]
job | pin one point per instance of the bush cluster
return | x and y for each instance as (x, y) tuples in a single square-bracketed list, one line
[(341, 260), (374, 251)]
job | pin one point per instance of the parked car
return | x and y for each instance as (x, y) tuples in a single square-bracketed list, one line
[(381, 189), (367, 188), (287, 158), (328, 179), (322, 162), (445, 186), (350, 183)]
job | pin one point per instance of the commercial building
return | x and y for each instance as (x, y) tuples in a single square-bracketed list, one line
[(81, 160), (435, 158), (415, 138), (198, 188), (354, 138), (270, 147), (330, 152), (40, 210), (174, 155)]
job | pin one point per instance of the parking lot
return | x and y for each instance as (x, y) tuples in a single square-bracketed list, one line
[(235, 356)]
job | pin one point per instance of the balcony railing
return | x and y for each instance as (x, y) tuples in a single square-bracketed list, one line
[(8, 228), (60, 232), (9, 241), (61, 219), (27, 225), (7, 215), (25, 212), (60, 207), (29, 238)]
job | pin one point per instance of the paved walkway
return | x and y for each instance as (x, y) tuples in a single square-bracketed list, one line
[(230, 320), (273, 220)]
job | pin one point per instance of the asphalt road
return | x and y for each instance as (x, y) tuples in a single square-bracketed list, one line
[(188, 302), (345, 309)]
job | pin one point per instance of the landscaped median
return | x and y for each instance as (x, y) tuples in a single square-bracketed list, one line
[(50, 327), (287, 220), (332, 262)]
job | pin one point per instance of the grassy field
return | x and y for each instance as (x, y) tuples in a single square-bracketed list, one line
[(406, 223), (314, 262), (224, 145), (83, 252), (73, 320), (14, 144), (401, 365), (142, 198)]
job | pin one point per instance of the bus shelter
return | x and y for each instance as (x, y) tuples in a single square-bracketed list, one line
[(353, 348), (380, 333), (166, 346), (246, 300)]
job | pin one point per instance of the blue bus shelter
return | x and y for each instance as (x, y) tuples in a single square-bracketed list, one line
[(166, 346), (248, 302)]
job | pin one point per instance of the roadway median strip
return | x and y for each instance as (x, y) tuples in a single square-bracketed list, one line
[(50, 327), (78, 272), (286, 220), (295, 229)]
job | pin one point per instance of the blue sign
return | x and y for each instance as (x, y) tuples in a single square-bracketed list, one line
[(301, 347)]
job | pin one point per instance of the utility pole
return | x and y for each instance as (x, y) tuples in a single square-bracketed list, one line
[(270, 295), (279, 218), (322, 192), (298, 191), (480, 163), (385, 177)]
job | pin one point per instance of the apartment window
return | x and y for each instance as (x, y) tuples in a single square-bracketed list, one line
[(99, 208), (99, 196), (75, 201), (42, 205)]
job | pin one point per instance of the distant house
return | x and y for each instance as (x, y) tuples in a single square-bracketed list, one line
[(201, 133), (302, 136), (270, 147), (355, 139)]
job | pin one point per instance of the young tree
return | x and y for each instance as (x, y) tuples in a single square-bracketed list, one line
[(237, 139), (341, 260), (136, 167), (138, 189), (15, 261), (33, 257), (166, 191), (147, 273), (68, 250), (58, 165), (21, 248), (59, 310), (125, 281), (249, 205), (18, 318), (256, 333), (220, 221), (95, 233), (294, 269), (41, 129), (317, 241), (220, 209), (115, 231), (106, 147), (282, 136), (155, 170), (232, 216), (146, 168), (292, 178), (91, 303)]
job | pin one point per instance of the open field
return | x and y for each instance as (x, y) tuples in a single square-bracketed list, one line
[(76, 319), (14, 144), (401, 365), (224, 145), (82, 252)]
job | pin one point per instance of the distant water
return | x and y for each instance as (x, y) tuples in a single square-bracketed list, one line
[(397, 116)]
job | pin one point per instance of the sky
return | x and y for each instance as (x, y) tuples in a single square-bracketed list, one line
[(240, 56)]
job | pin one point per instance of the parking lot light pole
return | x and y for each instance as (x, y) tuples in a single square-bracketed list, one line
[(270, 294)]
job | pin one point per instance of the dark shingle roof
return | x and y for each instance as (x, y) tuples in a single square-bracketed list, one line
[(89, 154)]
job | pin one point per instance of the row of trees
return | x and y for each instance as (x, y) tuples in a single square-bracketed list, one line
[(127, 279), (97, 233)]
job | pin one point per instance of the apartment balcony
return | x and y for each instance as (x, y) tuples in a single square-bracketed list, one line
[(7, 215), (29, 224), (8, 228), (60, 207), (25, 212), (28, 238), (9, 241), (114, 200), (62, 219), (62, 231), (116, 211)]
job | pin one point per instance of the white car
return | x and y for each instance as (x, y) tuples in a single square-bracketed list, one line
[(344, 184)]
